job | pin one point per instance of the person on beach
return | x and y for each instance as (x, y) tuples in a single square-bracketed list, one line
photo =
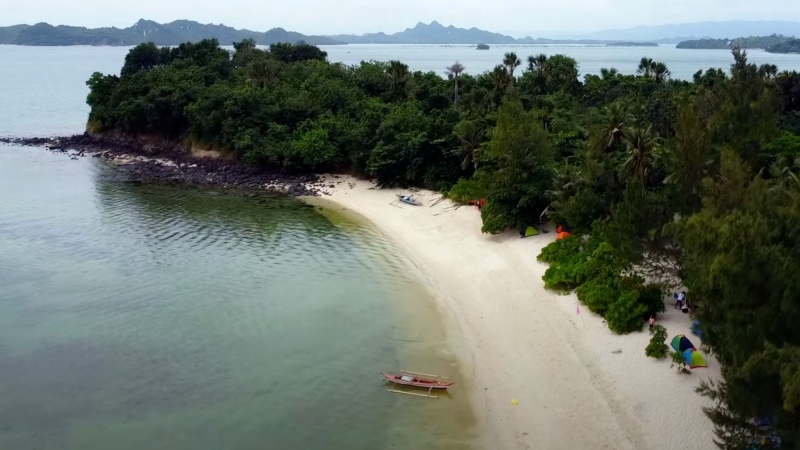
[(679, 300), (652, 322)]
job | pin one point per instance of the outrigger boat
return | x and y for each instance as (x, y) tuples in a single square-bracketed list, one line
[(409, 199), (420, 380)]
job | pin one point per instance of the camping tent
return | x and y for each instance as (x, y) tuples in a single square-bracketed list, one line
[(694, 359), (526, 232), (681, 343), (696, 329)]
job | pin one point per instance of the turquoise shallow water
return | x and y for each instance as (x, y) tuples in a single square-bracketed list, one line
[(163, 317)]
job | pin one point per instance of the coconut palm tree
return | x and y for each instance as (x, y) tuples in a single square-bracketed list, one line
[(660, 72), (537, 62), (608, 74), (786, 171), (501, 78), (645, 67), (511, 62), (261, 72), (641, 145), (768, 71), (616, 118), (399, 79), (454, 71), (470, 134)]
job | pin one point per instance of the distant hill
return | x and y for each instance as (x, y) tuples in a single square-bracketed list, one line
[(761, 42), (172, 33), (436, 33), (706, 30)]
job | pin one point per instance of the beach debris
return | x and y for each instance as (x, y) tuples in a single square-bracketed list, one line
[(617, 351), (514, 402)]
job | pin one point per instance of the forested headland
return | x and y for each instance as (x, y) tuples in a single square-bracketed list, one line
[(773, 44), (694, 182)]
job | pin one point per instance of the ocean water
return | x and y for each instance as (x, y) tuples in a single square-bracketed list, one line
[(144, 316)]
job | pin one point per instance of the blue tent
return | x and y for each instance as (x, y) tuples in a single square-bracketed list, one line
[(696, 329)]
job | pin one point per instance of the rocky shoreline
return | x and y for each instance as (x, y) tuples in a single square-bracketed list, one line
[(175, 164)]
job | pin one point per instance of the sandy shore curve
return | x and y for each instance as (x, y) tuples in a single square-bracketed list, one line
[(578, 385)]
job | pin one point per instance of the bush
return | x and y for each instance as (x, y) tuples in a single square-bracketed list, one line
[(598, 294), (679, 362), (625, 313), (657, 348), (567, 263)]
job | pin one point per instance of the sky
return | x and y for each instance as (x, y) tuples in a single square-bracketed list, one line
[(518, 17)]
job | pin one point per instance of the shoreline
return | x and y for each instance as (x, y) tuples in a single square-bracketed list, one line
[(578, 385), (169, 162)]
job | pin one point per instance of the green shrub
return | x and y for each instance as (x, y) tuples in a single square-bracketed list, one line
[(680, 362), (598, 294), (657, 348), (625, 313), (567, 263), (467, 190), (561, 250)]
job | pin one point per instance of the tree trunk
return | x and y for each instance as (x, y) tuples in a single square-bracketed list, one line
[(455, 96)]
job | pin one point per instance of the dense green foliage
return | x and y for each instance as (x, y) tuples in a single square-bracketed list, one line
[(657, 348), (787, 46), (760, 42), (659, 180)]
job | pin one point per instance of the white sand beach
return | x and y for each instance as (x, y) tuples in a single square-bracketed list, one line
[(578, 385)]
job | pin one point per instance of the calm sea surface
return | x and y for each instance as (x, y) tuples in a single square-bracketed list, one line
[(138, 316)]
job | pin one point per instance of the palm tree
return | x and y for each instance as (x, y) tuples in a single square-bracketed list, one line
[(454, 71), (537, 62), (261, 72), (660, 72), (608, 74), (645, 67), (641, 144), (399, 79), (478, 101), (768, 71), (501, 78), (470, 134), (787, 171), (511, 61), (615, 120)]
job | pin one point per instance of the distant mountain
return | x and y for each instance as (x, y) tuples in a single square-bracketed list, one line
[(761, 42), (172, 33), (710, 30), (436, 33)]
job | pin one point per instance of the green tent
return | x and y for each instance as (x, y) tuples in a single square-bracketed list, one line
[(530, 231), (694, 359)]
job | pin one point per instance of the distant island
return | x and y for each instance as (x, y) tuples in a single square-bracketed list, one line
[(172, 33), (774, 43), (631, 44), (181, 31), (482, 47)]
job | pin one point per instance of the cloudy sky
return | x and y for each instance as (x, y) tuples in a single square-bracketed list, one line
[(360, 16)]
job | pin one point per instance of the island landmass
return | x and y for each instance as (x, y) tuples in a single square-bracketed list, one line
[(772, 44)]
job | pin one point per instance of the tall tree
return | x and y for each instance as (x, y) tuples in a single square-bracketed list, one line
[(399, 79), (640, 144), (511, 61), (454, 72), (645, 67)]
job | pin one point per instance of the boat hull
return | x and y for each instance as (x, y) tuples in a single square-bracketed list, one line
[(417, 381)]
